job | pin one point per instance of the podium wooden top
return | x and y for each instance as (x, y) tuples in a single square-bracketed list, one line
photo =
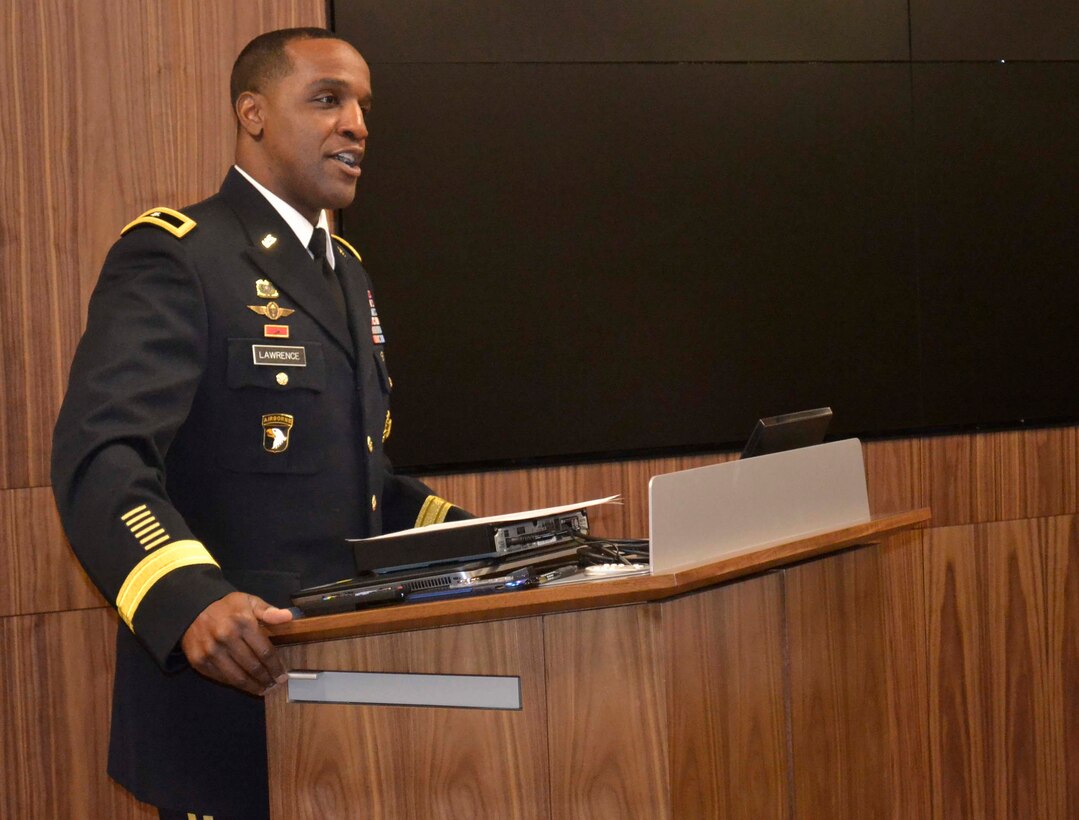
[(525, 603)]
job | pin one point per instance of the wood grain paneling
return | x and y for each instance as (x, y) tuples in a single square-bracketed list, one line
[(964, 478), (336, 748), (726, 710), (608, 750), (990, 682), (1000, 476), (1062, 587), (55, 682), (41, 572), (111, 110), (902, 567), (428, 762), (858, 732), (896, 474), (39, 228), (496, 492)]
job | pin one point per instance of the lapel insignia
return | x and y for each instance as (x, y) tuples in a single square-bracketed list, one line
[(264, 289), (271, 311), (268, 241), (275, 432), (377, 335)]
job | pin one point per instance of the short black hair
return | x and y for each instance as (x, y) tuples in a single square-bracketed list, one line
[(264, 59)]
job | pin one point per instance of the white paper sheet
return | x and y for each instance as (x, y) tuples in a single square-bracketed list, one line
[(527, 515)]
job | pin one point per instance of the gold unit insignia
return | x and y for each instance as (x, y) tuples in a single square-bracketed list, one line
[(264, 289), (276, 428), (268, 241), (271, 311)]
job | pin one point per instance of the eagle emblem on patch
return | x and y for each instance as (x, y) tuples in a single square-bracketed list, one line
[(275, 432), (264, 289)]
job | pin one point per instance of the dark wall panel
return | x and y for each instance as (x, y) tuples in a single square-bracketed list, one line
[(640, 255), (998, 160), (994, 30), (617, 227), (625, 30)]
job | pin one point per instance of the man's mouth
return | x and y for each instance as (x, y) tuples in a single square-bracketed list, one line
[(350, 159)]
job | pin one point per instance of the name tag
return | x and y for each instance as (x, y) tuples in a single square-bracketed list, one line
[(279, 355)]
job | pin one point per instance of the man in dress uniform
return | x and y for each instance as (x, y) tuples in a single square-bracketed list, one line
[(223, 429)]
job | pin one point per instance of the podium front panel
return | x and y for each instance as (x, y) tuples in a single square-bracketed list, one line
[(387, 762)]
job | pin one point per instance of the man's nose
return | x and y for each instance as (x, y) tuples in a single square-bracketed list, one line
[(353, 123)]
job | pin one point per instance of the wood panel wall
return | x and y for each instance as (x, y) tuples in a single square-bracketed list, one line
[(113, 108), (109, 108)]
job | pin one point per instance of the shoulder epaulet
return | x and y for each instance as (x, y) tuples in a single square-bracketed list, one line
[(351, 249), (167, 219)]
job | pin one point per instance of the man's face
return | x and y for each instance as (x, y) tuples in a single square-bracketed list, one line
[(314, 131)]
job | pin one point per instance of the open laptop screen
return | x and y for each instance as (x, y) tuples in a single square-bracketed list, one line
[(788, 432)]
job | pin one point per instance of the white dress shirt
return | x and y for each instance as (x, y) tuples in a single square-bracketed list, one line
[(303, 229)]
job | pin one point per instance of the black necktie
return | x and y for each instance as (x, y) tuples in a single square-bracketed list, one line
[(317, 246)]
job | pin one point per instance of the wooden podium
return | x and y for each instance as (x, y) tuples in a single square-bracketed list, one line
[(768, 684)]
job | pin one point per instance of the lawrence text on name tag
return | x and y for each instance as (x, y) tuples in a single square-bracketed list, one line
[(279, 355)]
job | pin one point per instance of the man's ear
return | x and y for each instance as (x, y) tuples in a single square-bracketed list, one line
[(250, 109)]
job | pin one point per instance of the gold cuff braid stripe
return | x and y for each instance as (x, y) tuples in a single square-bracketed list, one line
[(433, 511), (152, 569), (142, 516), (139, 530), (130, 513)]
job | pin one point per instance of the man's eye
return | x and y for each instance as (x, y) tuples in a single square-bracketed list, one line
[(326, 99)]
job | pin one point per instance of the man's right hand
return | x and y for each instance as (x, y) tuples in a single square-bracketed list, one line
[(227, 643)]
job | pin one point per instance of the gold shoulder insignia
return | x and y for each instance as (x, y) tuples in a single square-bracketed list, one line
[(172, 221), (351, 249)]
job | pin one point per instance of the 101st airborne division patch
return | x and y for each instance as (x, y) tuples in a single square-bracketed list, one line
[(276, 428)]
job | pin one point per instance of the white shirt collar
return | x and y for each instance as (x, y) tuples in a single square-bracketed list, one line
[(303, 229)]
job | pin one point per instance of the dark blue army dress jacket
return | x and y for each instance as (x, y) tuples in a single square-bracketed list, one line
[(223, 430)]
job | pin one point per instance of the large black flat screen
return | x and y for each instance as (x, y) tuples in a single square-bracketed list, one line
[(585, 258)]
